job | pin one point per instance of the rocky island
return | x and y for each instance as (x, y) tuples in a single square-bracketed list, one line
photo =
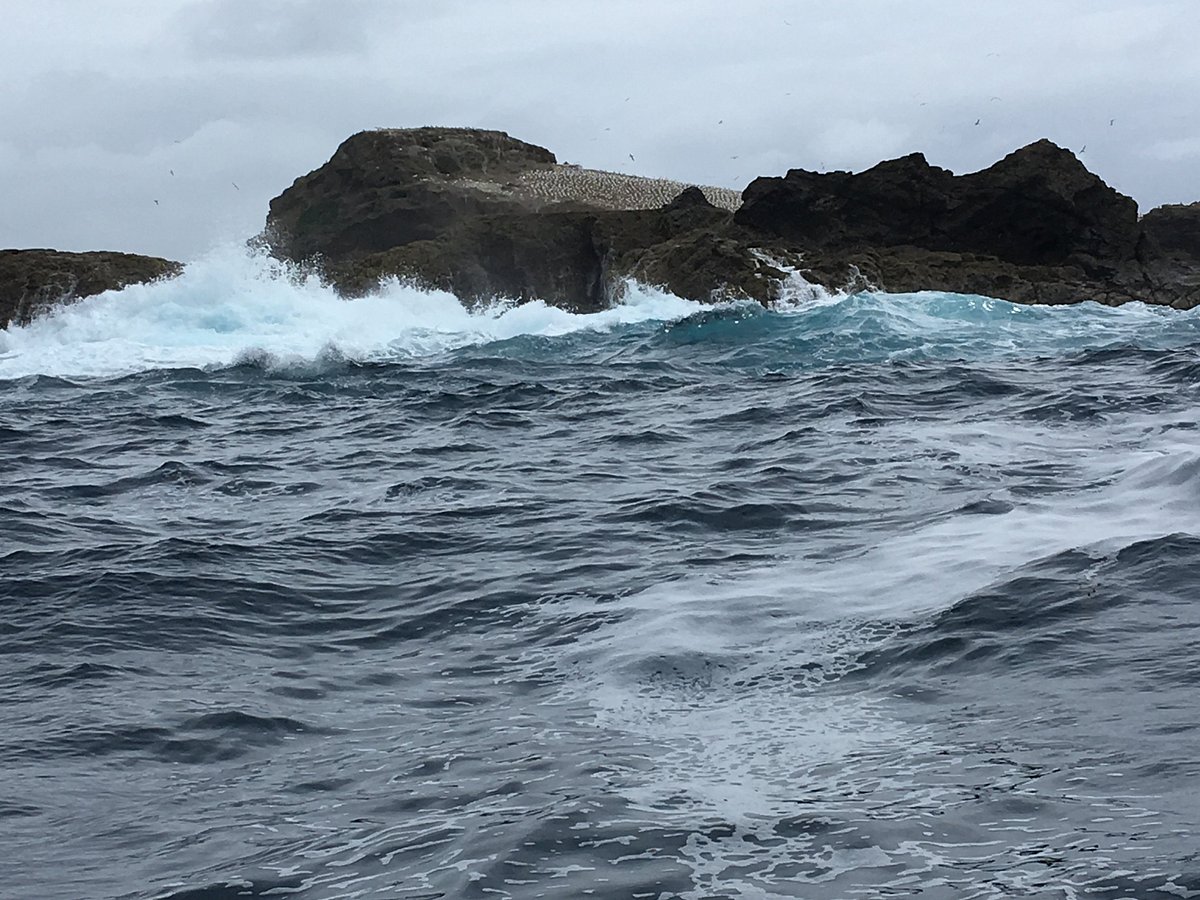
[(483, 214), (35, 281)]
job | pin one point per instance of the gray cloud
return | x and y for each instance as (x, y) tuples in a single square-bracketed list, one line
[(102, 107), (276, 29)]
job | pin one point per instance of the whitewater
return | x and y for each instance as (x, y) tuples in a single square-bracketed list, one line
[(860, 595)]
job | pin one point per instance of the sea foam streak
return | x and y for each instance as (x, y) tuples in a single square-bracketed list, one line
[(750, 739), (231, 305)]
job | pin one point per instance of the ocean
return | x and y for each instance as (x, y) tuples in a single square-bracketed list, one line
[(866, 595)]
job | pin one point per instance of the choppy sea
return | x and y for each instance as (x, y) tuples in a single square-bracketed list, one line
[(870, 596)]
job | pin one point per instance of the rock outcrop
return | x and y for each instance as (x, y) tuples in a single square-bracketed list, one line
[(483, 214), (1038, 206), (1169, 253), (1036, 227), (35, 281)]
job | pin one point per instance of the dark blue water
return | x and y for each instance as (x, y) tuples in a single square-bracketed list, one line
[(890, 596)]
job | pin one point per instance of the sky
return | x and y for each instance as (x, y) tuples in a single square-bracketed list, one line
[(166, 126)]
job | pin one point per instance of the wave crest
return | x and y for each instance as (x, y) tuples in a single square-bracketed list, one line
[(235, 307), (238, 308)]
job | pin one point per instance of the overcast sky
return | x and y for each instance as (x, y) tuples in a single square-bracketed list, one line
[(101, 100)]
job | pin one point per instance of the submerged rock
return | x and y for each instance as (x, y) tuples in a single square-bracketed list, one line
[(35, 281), (483, 214)]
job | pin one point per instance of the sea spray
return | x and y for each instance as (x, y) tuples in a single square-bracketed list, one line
[(234, 306)]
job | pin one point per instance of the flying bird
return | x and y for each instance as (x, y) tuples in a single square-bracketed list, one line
[(631, 157), (172, 171), (235, 187), (156, 203), (977, 121)]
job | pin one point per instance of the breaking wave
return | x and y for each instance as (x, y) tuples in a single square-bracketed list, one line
[(234, 307)]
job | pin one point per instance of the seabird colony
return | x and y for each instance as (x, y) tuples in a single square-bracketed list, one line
[(606, 190)]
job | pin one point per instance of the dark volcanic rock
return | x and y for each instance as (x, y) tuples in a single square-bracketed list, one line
[(428, 204), (1169, 254), (550, 256), (1038, 206), (1174, 231), (384, 189), (900, 201), (35, 281), (474, 212), (482, 214), (477, 213)]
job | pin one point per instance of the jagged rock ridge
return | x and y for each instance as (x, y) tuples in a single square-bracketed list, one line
[(458, 209)]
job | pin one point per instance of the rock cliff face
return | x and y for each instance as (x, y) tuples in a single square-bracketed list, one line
[(1169, 253), (34, 281), (483, 214)]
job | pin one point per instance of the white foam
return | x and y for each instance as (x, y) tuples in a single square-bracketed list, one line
[(727, 675), (232, 305), (1128, 492), (796, 293)]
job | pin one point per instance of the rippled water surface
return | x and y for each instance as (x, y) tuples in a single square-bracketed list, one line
[(873, 596)]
